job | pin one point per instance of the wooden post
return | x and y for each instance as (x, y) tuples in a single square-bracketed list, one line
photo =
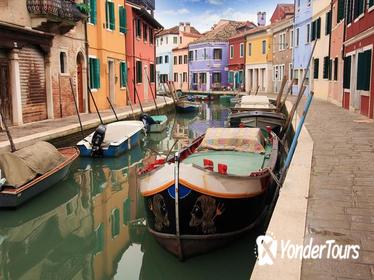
[(279, 97), (111, 106), (285, 97), (137, 95), (153, 96), (10, 138), (130, 102), (258, 87), (94, 102), (76, 105)]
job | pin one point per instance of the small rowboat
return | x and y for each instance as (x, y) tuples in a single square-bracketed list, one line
[(11, 196), (154, 123), (254, 103), (215, 190), (260, 119), (185, 106), (112, 139)]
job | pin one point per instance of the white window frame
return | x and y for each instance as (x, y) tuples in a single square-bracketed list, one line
[(241, 50), (291, 38)]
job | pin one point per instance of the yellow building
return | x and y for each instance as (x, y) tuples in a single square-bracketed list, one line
[(106, 31), (258, 60)]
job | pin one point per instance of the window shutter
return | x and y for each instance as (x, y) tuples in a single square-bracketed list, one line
[(318, 28), (341, 6), (122, 20), (92, 71), (313, 31), (126, 211), (99, 236), (347, 72), (97, 73), (349, 11), (371, 3), (363, 70), (316, 68), (326, 63), (111, 16), (93, 11), (115, 222), (328, 23), (106, 14)]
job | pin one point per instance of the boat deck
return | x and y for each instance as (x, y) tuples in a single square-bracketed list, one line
[(238, 163)]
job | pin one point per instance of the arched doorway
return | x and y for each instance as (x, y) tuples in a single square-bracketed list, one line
[(80, 62)]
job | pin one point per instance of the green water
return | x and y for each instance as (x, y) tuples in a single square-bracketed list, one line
[(92, 226)]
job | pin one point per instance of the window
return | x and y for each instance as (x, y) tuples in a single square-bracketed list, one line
[(160, 59), (241, 49), (152, 73), (290, 72), (297, 37), (328, 24), (109, 15), (122, 20), (194, 78), (291, 39), (249, 49), (308, 33), (93, 12), (185, 59), (175, 77), (205, 54), (180, 40), (347, 72), (263, 47), (316, 29), (99, 239), (139, 28), (114, 218), (151, 39), (63, 63), (217, 77), (316, 68), (175, 40), (231, 51), (217, 53), (359, 6), (364, 70), (203, 78), (190, 56), (184, 77), (123, 74), (349, 11), (336, 62), (231, 77), (180, 59), (195, 54), (145, 32), (326, 64), (282, 41), (275, 73), (175, 60), (371, 3), (139, 72), (164, 78), (94, 73), (166, 59), (161, 40), (341, 11)]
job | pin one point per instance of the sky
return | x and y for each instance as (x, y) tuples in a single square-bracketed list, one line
[(202, 14)]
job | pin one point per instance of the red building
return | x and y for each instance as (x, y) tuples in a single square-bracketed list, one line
[(141, 49), (237, 57), (282, 11), (358, 82)]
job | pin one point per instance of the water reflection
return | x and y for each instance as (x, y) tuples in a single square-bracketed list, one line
[(92, 225)]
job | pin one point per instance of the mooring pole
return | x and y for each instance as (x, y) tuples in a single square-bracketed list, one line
[(153, 96), (10, 138), (176, 186), (111, 106), (76, 106), (130, 102), (94, 102), (137, 95)]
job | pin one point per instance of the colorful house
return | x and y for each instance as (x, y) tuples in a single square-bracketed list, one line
[(141, 49), (42, 48), (358, 57), (106, 31), (187, 34), (258, 61), (208, 57), (237, 49), (302, 46), (320, 32), (336, 50)]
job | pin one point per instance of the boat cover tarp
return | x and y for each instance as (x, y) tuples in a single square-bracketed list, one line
[(234, 139), (22, 166), (255, 100)]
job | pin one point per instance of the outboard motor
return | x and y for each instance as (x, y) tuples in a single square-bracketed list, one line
[(98, 139), (147, 120)]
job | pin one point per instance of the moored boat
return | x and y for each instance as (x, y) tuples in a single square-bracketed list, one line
[(112, 139), (157, 123), (215, 190), (254, 103), (185, 106), (39, 167), (260, 119)]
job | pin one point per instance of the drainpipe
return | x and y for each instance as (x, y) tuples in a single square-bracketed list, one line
[(330, 62), (87, 62), (133, 56)]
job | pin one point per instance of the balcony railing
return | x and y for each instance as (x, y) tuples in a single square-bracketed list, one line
[(61, 13)]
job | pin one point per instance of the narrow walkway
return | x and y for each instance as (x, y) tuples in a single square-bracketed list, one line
[(50, 129), (341, 195)]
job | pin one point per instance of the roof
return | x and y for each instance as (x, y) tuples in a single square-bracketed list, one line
[(175, 30), (286, 9), (222, 31), (144, 14), (252, 31)]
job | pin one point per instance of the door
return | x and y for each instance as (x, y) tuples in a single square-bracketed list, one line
[(5, 98), (111, 79), (80, 85)]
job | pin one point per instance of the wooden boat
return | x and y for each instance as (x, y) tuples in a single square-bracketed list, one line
[(13, 197), (215, 190), (155, 124), (254, 103), (260, 119), (185, 106), (112, 139)]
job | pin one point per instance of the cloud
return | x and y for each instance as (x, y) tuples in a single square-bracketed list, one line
[(182, 11), (215, 2)]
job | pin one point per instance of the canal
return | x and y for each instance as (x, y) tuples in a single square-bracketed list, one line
[(92, 225)]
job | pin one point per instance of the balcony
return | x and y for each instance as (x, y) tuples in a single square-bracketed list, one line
[(147, 4), (54, 16)]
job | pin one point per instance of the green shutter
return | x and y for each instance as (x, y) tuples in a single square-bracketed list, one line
[(126, 211), (139, 77), (326, 62), (122, 20), (328, 24), (371, 3), (363, 70), (347, 72), (316, 68), (93, 11), (91, 73), (318, 28), (341, 5), (115, 222), (112, 24), (96, 73), (99, 239), (123, 72), (231, 77)]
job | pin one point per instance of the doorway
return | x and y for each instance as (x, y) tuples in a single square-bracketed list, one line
[(80, 82), (5, 98), (111, 80)]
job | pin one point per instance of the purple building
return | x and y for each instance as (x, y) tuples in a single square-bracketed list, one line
[(208, 57)]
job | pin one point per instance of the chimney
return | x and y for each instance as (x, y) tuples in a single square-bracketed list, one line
[(187, 27), (261, 18), (181, 27)]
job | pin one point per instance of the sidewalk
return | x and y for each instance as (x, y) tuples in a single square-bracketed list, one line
[(50, 129), (341, 194)]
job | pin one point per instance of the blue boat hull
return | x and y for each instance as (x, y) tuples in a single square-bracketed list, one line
[(189, 109), (113, 151)]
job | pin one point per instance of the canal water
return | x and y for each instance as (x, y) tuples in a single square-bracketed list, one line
[(92, 225)]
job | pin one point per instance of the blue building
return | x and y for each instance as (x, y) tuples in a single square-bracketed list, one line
[(302, 45)]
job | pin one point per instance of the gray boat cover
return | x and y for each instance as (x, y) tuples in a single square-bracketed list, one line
[(22, 166)]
